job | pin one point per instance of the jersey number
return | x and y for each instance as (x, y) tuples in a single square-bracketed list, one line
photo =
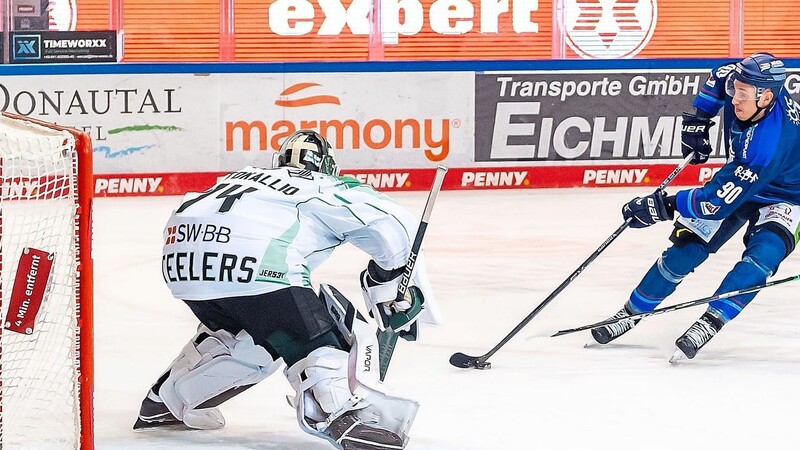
[(230, 192), (729, 192)]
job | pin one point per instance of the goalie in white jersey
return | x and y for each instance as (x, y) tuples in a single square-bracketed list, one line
[(240, 255)]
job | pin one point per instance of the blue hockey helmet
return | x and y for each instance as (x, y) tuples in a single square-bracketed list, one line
[(761, 70), (307, 149)]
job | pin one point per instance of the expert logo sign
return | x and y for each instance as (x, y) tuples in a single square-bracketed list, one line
[(609, 28), (406, 17), (26, 47)]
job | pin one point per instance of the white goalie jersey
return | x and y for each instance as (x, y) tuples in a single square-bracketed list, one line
[(259, 230)]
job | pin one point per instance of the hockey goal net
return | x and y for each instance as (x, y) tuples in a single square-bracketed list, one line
[(46, 365)]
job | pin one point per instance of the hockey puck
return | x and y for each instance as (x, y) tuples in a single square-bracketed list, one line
[(463, 361)]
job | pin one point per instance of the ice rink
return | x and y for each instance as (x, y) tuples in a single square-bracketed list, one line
[(492, 257)]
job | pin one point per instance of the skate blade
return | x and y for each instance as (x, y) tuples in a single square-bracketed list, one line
[(591, 343), (677, 357), (170, 425)]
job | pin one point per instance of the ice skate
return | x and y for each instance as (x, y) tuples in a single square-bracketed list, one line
[(352, 434), (696, 337), (607, 333), (154, 414)]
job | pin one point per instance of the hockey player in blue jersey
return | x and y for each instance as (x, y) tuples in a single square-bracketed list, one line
[(759, 186)]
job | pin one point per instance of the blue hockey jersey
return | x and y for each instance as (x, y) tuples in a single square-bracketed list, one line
[(763, 163)]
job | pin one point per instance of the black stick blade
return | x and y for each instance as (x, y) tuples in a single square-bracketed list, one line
[(463, 361)]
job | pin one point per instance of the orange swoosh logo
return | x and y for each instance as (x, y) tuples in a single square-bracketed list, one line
[(298, 87), (304, 101)]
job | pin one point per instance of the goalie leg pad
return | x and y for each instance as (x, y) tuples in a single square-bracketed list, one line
[(212, 367), (332, 384), (323, 390), (350, 417)]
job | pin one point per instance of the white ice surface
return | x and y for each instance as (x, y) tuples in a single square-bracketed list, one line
[(492, 257)]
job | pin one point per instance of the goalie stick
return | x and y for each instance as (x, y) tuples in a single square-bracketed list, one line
[(700, 301), (387, 338), (464, 361)]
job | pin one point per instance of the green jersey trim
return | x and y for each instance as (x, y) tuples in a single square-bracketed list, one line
[(273, 266)]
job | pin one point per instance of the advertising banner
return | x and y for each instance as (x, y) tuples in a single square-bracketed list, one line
[(557, 117), (168, 133), (36, 47), (138, 123), (373, 120), (444, 30), (458, 178), (208, 123)]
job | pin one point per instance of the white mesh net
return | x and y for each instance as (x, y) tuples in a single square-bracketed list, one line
[(39, 372)]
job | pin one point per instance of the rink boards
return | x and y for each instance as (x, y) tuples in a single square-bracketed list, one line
[(165, 129)]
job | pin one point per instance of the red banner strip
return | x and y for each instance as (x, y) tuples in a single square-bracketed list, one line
[(458, 178)]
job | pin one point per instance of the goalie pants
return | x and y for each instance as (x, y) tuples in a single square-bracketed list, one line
[(766, 246), (290, 323)]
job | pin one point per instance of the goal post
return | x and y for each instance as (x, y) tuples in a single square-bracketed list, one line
[(46, 274)]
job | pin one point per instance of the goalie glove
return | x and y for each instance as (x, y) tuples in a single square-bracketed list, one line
[(390, 311)]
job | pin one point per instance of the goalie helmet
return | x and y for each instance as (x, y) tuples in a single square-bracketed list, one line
[(307, 149), (761, 70)]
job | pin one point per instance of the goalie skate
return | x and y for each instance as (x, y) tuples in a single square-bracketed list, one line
[(154, 414), (351, 434)]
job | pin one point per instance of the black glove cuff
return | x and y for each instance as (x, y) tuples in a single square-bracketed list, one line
[(382, 275), (700, 114), (669, 204)]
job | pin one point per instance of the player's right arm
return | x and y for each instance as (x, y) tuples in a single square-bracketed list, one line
[(751, 169), (373, 222), (712, 96), (384, 229), (696, 126)]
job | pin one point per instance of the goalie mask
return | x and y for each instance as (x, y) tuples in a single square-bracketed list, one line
[(307, 149)]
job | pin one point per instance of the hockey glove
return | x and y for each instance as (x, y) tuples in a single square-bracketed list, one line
[(645, 211), (379, 287), (695, 139)]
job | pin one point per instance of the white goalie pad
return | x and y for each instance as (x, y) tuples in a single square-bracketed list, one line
[(330, 382), (216, 365)]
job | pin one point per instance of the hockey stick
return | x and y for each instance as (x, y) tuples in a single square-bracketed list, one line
[(387, 338), (667, 309), (481, 362)]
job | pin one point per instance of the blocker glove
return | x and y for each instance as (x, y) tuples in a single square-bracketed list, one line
[(379, 287), (645, 211), (694, 137)]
